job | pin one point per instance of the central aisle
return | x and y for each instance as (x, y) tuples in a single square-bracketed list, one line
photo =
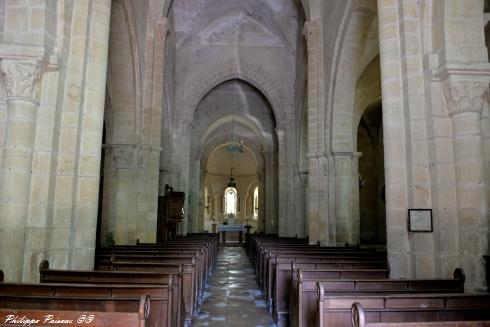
[(232, 297)]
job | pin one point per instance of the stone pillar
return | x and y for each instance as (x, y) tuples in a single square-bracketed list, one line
[(316, 203), (202, 201), (346, 198), (124, 203), (270, 195), (282, 219), (394, 138), (465, 100), (22, 79)]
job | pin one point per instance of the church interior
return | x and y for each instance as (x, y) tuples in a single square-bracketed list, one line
[(245, 162)]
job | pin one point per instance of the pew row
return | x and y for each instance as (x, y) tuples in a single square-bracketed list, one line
[(335, 310), (305, 306), (390, 319), (278, 288), (188, 279), (302, 303), (16, 297), (54, 316), (173, 279)]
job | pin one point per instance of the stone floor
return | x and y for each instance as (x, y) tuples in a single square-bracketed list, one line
[(232, 297)]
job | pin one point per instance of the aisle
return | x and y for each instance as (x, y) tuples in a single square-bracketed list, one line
[(232, 297)]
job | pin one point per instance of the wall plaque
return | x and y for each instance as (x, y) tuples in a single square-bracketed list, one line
[(420, 220)]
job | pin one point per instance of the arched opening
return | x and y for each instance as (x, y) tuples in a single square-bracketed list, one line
[(234, 111), (371, 176)]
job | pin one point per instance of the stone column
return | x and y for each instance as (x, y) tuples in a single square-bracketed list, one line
[(282, 219), (270, 195), (124, 204), (22, 79), (346, 198), (315, 218), (465, 100), (394, 139)]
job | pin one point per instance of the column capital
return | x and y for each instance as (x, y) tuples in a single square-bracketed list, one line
[(464, 95), (22, 79)]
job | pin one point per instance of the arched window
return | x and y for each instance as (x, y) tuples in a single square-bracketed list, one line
[(231, 201), (256, 203)]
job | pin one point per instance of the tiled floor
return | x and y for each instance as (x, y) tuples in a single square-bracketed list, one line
[(232, 297)]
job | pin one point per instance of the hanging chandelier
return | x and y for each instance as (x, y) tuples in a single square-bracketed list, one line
[(231, 181), (234, 144)]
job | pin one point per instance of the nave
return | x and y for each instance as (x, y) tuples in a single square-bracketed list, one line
[(232, 297)]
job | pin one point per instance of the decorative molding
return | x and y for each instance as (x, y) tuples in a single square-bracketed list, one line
[(22, 79), (465, 95)]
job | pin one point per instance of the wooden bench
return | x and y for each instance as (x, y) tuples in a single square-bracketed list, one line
[(268, 260), (188, 279), (174, 281), (203, 254), (88, 298), (359, 320), (302, 302), (336, 310), (54, 316), (190, 262), (305, 311), (280, 273)]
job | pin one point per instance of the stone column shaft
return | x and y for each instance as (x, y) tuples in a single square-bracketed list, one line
[(22, 81), (465, 102), (394, 138), (316, 220)]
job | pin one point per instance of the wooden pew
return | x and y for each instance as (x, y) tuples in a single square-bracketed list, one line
[(306, 293), (302, 303), (88, 298), (36, 317), (190, 262), (267, 259), (336, 310), (202, 251), (172, 279), (359, 320), (188, 279), (280, 274)]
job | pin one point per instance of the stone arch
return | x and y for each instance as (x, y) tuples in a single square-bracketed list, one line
[(354, 55), (250, 73), (123, 41)]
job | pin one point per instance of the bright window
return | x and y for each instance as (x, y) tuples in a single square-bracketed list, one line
[(256, 203), (231, 200)]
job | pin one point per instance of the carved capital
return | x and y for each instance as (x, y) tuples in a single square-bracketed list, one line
[(465, 96), (22, 79), (311, 31)]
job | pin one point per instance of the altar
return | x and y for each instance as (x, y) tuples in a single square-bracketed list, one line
[(235, 228)]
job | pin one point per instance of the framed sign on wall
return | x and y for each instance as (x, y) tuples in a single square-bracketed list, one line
[(420, 220)]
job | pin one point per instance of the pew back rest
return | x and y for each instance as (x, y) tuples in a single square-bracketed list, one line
[(359, 320), (75, 317)]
